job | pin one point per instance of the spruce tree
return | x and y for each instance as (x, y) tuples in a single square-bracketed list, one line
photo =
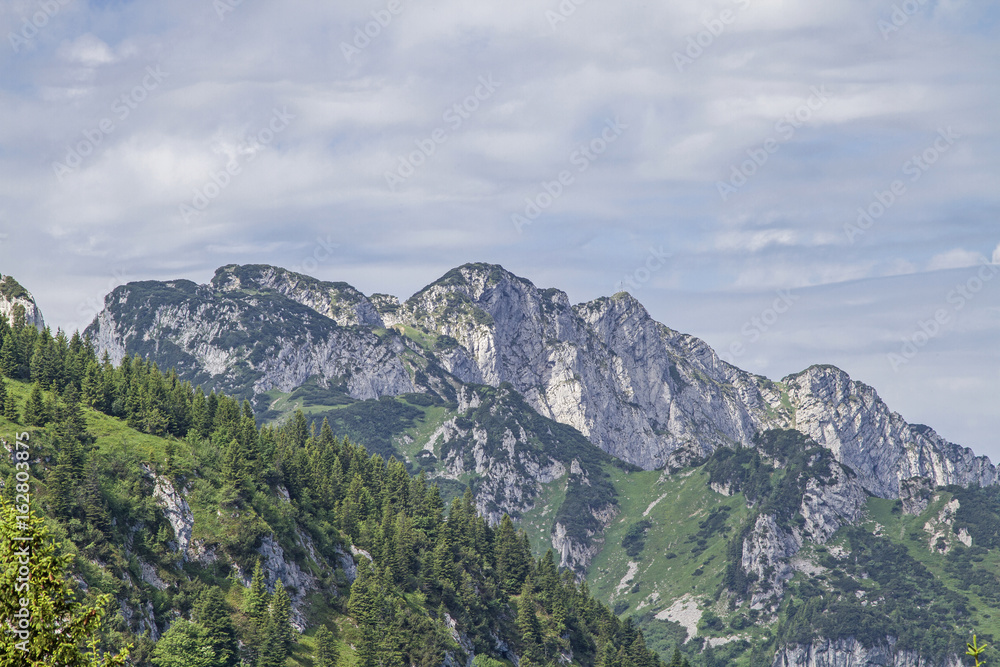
[(212, 612), (34, 409), (9, 357), (510, 560), (10, 410), (528, 625), (281, 613), (326, 648), (255, 604)]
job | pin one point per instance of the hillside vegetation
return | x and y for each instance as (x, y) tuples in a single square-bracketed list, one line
[(217, 539)]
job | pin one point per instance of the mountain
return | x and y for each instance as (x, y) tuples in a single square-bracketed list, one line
[(641, 391), (563, 416), (237, 545), (16, 301)]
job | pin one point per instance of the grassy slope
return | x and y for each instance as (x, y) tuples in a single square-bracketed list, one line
[(685, 500), (114, 436)]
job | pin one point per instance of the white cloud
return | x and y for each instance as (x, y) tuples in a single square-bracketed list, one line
[(958, 258), (87, 50), (996, 255)]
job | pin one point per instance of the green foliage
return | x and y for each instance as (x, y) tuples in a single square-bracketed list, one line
[(35, 594), (326, 648), (186, 644), (635, 538)]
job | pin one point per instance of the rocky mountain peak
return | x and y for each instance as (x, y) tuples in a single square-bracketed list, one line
[(339, 301), (474, 279), (14, 298)]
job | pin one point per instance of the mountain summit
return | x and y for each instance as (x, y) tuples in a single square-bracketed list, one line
[(644, 393)]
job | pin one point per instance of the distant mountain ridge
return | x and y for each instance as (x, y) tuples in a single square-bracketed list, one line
[(729, 514), (641, 391)]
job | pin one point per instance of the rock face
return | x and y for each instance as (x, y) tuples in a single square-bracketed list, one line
[(177, 512), (639, 390), (635, 388), (850, 419), (14, 299), (249, 332), (851, 653), (514, 453)]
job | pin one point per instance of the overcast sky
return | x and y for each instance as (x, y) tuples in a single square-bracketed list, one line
[(709, 157)]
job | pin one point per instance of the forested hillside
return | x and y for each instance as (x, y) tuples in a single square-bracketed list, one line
[(219, 541)]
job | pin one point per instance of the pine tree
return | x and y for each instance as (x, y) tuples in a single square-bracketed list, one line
[(326, 648)]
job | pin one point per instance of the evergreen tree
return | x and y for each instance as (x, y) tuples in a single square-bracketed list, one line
[(528, 625), (185, 644), (34, 409), (281, 614), (213, 613), (255, 605), (9, 357), (59, 624), (511, 564), (10, 410), (326, 648)]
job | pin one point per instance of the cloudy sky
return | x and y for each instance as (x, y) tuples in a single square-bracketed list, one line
[(795, 182)]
